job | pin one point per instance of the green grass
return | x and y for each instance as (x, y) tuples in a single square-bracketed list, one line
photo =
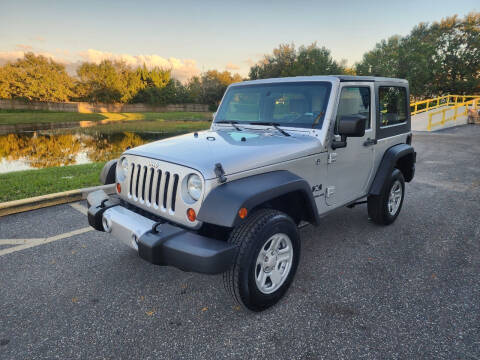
[(27, 183), (167, 127), (12, 117), (177, 115)]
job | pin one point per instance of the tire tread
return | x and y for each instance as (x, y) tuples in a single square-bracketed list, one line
[(242, 236)]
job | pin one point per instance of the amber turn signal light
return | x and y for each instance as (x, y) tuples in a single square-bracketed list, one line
[(242, 213), (119, 188), (191, 215)]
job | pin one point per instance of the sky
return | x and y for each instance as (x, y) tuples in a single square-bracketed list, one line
[(194, 36)]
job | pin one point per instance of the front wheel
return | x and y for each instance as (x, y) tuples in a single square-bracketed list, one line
[(384, 208), (268, 255)]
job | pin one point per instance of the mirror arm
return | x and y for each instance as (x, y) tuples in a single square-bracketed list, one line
[(339, 144)]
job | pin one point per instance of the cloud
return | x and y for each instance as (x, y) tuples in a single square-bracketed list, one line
[(38, 38), (6, 56), (231, 66), (249, 62), (23, 47), (63, 52), (182, 69)]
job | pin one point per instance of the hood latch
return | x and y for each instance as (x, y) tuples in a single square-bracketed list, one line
[(220, 173)]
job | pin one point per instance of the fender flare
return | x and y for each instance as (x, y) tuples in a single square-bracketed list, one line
[(389, 160), (221, 205), (107, 176)]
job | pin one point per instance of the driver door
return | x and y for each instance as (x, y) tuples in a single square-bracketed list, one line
[(349, 169)]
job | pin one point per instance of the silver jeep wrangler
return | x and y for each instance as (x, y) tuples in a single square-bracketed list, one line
[(280, 153)]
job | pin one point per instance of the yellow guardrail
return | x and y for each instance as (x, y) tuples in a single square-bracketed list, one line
[(446, 100), (434, 103), (471, 104)]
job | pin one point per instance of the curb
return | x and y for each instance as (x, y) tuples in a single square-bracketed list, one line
[(37, 202)]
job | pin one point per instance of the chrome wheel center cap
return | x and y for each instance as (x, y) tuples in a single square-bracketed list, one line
[(269, 262)]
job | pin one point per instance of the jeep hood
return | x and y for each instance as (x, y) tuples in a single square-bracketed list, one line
[(237, 151)]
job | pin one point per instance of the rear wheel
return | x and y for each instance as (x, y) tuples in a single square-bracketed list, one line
[(384, 208), (268, 255)]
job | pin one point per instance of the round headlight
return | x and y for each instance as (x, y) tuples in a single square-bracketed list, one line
[(194, 186)]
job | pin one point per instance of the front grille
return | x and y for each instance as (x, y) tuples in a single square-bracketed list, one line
[(156, 186), (153, 187)]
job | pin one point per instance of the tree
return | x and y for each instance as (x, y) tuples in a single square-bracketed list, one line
[(174, 92), (35, 78), (436, 59), (214, 84), (457, 56), (287, 61), (109, 82), (156, 86), (383, 60), (155, 77)]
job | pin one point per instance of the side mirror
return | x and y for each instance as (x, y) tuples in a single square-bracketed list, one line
[(349, 125)]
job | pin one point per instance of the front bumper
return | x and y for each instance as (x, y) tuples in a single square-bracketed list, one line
[(159, 243)]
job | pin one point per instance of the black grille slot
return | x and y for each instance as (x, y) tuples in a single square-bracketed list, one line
[(158, 187), (174, 190), (138, 180), (144, 181), (165, 189), (131, 178), (152, 173)]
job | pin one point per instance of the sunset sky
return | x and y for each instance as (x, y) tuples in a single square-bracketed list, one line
[(193, 36)]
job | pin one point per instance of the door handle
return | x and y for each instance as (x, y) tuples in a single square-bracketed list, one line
[(370, 142)]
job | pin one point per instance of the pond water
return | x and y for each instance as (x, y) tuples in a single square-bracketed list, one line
[(45, 148)]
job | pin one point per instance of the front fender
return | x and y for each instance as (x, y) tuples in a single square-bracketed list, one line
[(222, 204), (107, 176)]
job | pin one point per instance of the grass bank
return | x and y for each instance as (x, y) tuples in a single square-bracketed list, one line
[(27, 183), (165, 127), (13, 117)]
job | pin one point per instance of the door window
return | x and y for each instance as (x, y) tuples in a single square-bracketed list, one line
[(393, 105), (354, 100)]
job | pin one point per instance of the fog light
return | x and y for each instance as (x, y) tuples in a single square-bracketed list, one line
[(119, 188), (107, 224), (191, 215)]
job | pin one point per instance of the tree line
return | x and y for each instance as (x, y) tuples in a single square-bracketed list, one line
[(438, 58), (37, 78)]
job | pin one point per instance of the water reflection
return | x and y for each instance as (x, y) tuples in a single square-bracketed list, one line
[(46, 149)]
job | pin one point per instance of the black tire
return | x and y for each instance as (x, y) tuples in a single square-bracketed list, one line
[(378, 209), (251, 237)]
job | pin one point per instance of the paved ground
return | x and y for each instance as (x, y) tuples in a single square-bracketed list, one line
[(407, 291)]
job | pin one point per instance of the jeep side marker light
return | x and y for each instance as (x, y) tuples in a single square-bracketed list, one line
[(191, 215), (242, 213), (119, 188)]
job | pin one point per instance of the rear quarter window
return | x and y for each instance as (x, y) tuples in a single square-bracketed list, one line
[(393, 105)]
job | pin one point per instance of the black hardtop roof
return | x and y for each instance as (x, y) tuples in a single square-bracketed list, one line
[(368, 78)]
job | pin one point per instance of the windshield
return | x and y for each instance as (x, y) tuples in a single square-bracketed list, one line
[(300, 104)]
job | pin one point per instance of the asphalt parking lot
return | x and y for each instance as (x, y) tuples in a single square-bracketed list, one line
[(407, 291)]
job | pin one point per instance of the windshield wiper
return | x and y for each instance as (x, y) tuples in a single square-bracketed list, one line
[(233, 123), (275, 125)]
